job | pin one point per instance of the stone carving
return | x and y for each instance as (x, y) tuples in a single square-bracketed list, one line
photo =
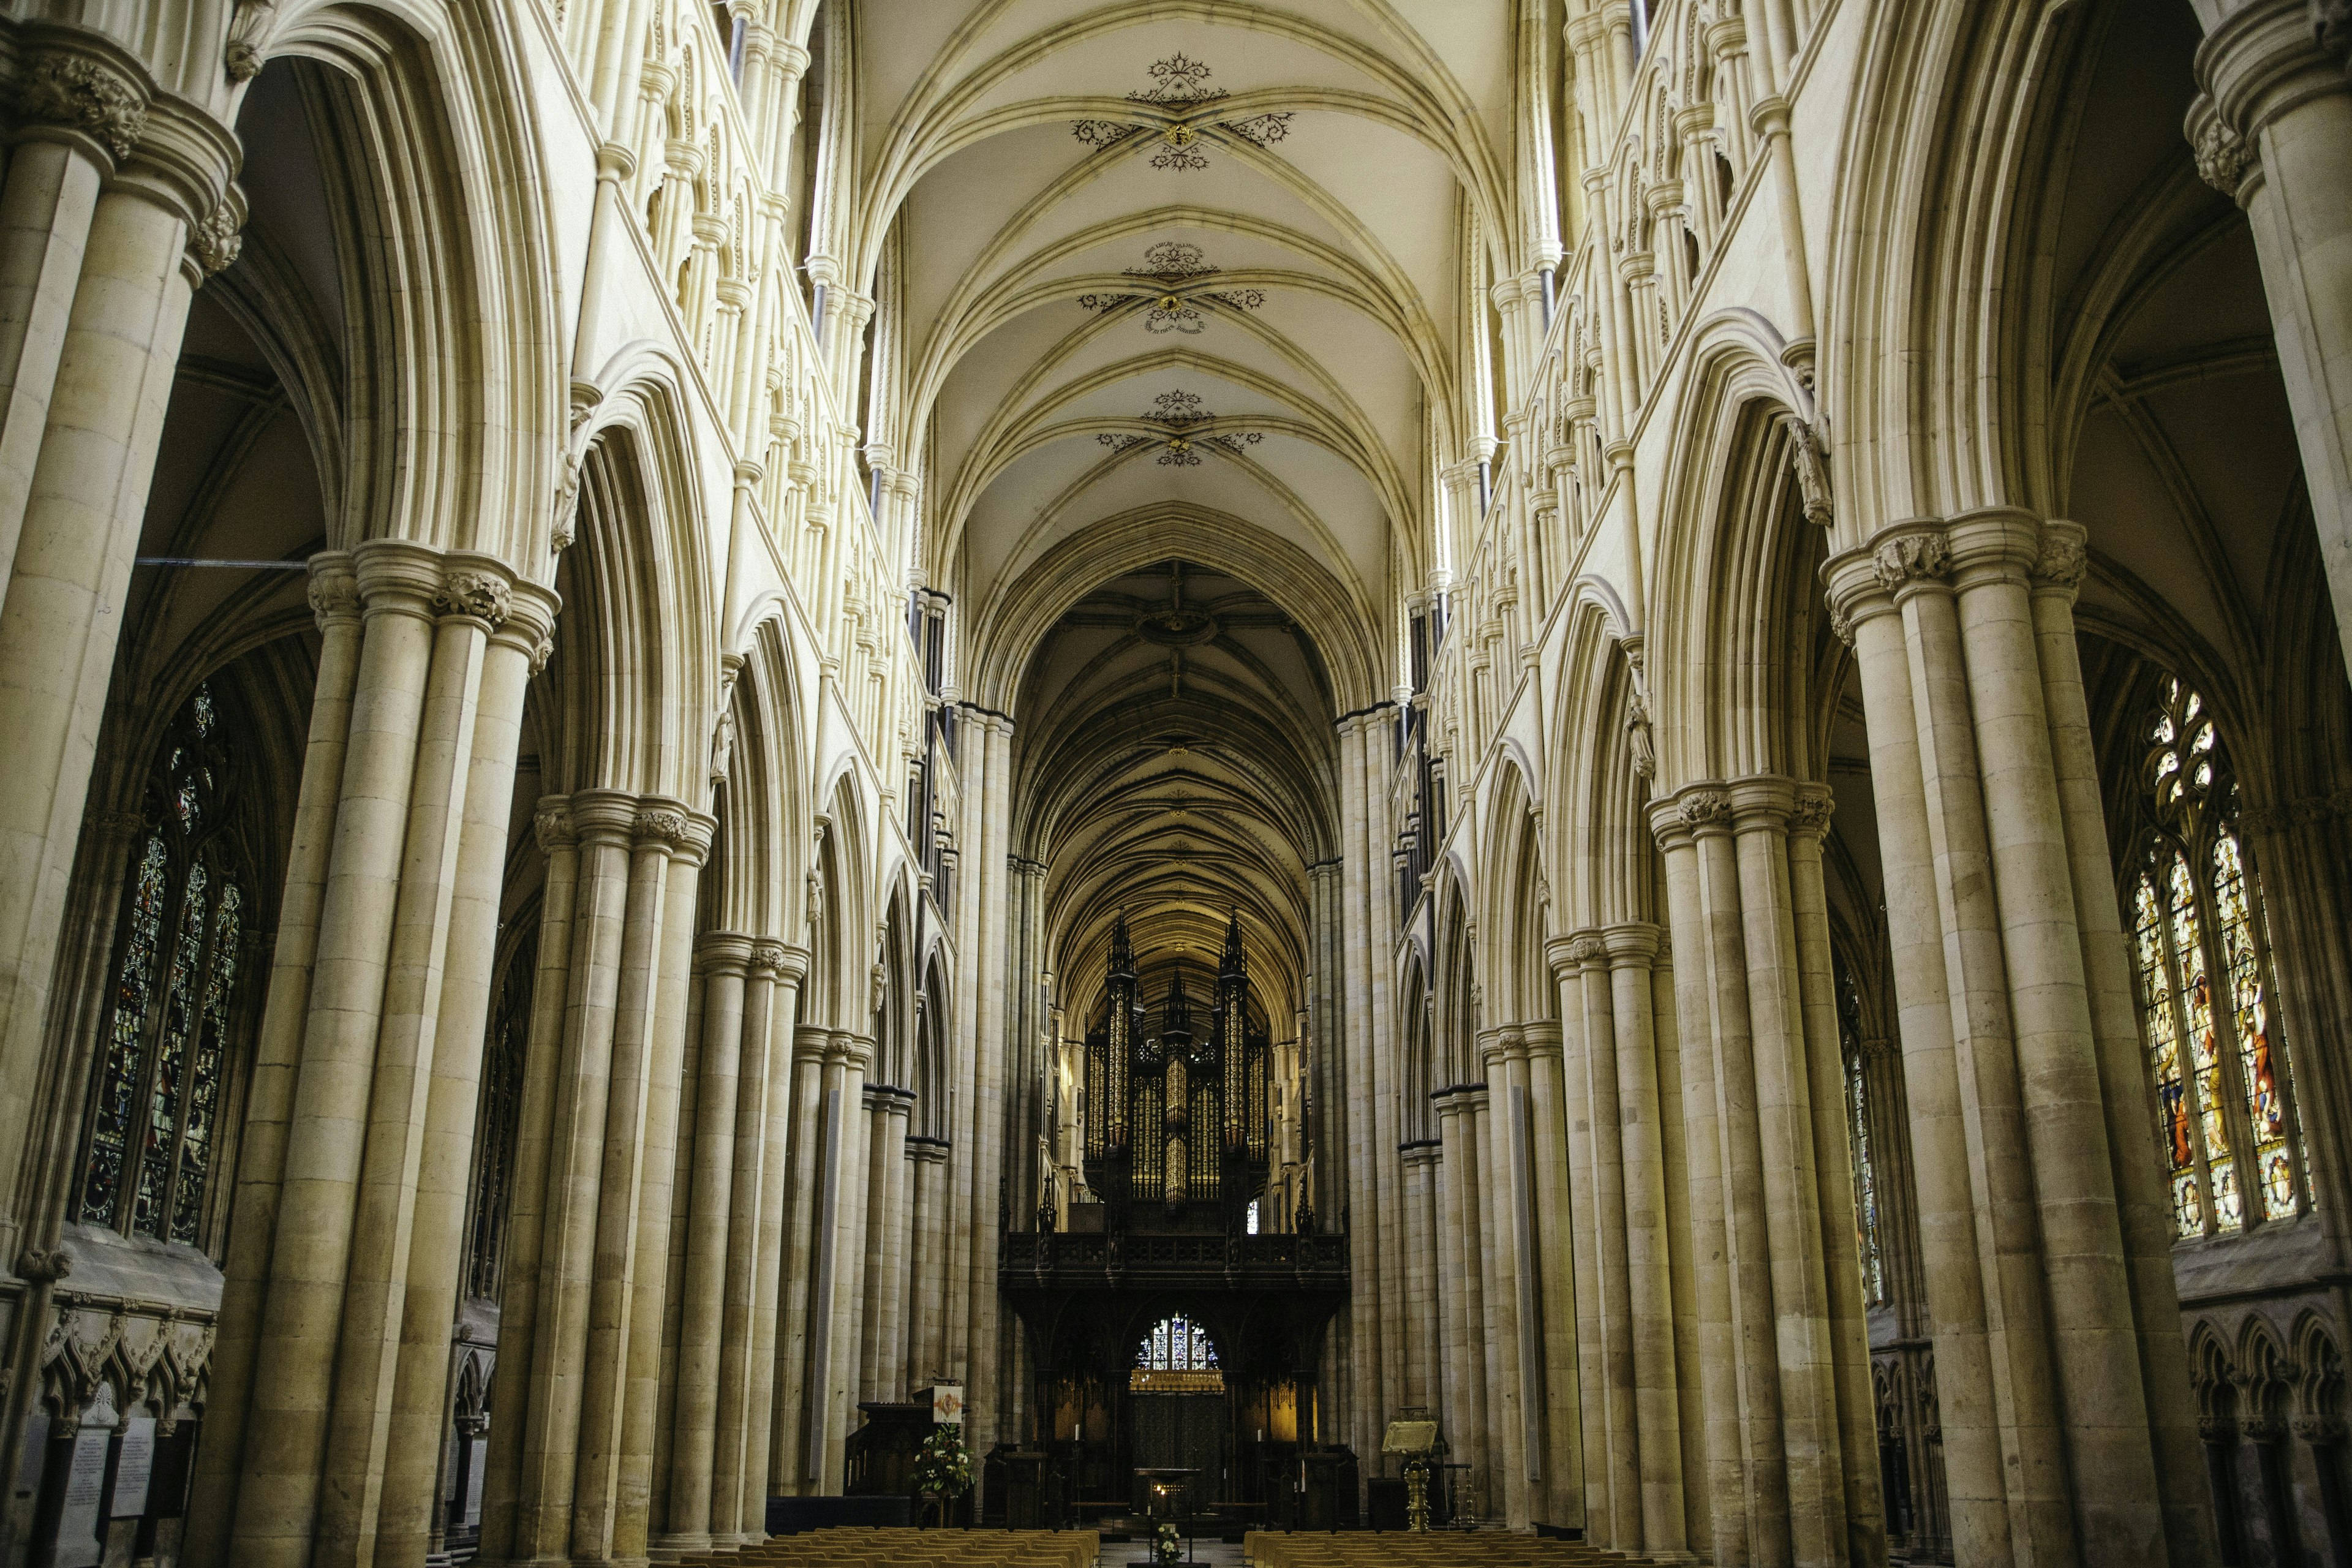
[(1813, 476), (1810, 814), (74, 89), (541, 651), (116, 824), (878, 987), (1588, 950), (1637, 736), (722, 745), (565, 526), (248, 31), (2319, 1431), (660, 824), (1912, 557), (2061, 564), (767, 957), (41, 1264), (482, 594), (552, 827), (333, 593), (1703, 807), (218, 238), (2331, 23), (2221, 156), (1842, 623)]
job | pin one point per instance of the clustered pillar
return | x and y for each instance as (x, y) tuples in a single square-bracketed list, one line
[(2019, 1051)]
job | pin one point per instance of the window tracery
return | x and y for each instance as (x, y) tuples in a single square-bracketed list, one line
[(2217, 1051), (153, 1128), (1176, 1343)]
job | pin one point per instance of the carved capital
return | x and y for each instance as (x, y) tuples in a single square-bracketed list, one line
[(1810, 814), (334, 590), (2064, 560), (659, 824), (2218, 1429), (1909, 558), (552, 823), (77, 89), (1588, 950), (481, 595), (767, 958), (1701, 808)]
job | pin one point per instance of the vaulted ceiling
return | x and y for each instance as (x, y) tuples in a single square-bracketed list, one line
[(1212, 266)]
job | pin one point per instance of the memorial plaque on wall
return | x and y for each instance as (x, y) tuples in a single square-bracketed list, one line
[(135, 1469), (78, 1543)]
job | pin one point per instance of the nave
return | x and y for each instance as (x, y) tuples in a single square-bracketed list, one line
[(1002, 765)]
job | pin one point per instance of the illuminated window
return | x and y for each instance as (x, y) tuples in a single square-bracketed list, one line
[(153, 1127), (2224, 1105), (1249, 1222), (1176, 1344), (1857, 1119)]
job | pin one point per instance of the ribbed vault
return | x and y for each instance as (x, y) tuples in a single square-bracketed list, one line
[(1175, 763)]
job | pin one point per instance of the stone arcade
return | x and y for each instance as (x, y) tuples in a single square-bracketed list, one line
[(1624, 722)]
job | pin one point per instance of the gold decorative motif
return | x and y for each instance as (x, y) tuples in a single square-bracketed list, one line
[(1172, 264), (1178, 84), (1181, 416)]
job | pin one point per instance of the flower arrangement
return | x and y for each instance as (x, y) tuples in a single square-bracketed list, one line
[(1167, 1545), (943, 1465)]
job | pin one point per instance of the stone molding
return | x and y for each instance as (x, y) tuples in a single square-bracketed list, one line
[(1633, 944), (725, 953), (1809, 816), (2306, 811)]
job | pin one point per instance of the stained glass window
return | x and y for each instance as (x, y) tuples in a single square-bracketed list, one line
[(1857, 1112), (1176, 1344), (2225, 1124), (153, 1120)]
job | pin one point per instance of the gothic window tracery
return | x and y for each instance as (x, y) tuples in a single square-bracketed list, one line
[(150, 1140), (2222, 1090), (1176, 1343)]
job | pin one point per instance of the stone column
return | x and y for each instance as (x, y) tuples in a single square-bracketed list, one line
[(929, 1157), (726, 962), (792, 1389), (523, 1295), (747, 1363), (2273, 131), (365, 1056), (1555, 1221), (1614, 1431), (278, 1054), (1657, 1405), (1362, 1210), (1966, 682), (69, 526), (985, 993), (1465, 1364), (894, 1384), (517, 647), (841, 1259), (1419, 1244), (873, 1238)]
